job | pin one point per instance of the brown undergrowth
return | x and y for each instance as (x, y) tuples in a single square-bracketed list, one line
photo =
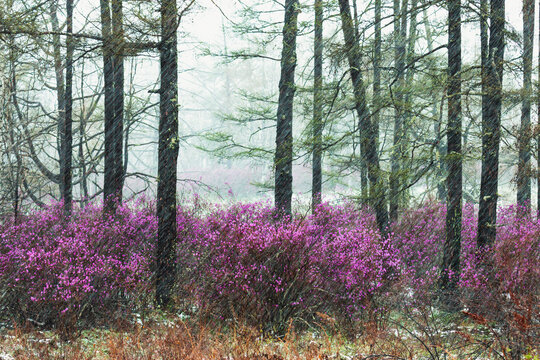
[(169, 337)]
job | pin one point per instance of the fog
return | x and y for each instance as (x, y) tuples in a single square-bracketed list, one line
[(221, 98)]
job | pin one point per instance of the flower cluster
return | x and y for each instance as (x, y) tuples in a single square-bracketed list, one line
[(419, 238), (50, 265), (243, 261), (246, 262), (510, 265)]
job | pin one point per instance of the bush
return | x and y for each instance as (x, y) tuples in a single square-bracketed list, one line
[(242, 263), (499, 284), (419, 239), (54, 270), (507, 299), (251, 266)]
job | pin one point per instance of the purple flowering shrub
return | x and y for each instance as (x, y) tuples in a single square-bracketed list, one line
[(512, 261), (248, 264), (52, 269), (509, 291), (241, 262), (352, 253), (499, 283), (419, 239), (517, 252)]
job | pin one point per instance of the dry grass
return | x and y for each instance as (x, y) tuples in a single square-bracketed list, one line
[(168, 338), (162, 340)]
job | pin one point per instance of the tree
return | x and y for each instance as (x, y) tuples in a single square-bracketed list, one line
[(113, 72), (67, 126), (538, 137), (362, 162), (409, 113), (377, 57), (61, 97), (524, 166), (368, 142), (484, 56), (317, 106), (452, 246), (11, 154), (491, 126), (108, 71), (118, 77), (400, 35), (284, 137), (167, 154)]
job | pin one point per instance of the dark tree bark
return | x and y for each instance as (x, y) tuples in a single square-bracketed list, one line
[(168, 154), (284, 137), (113, 68), (524, 164), (484, 55), (16, 197), (363, 167), (109, 183), (377, 103), (118, 90), (400, 34), (17, 181), (408, 102), (15, 178), (452, 247), (316, 189), (411, 45), (491, 127), (368, 142), (67, 126)]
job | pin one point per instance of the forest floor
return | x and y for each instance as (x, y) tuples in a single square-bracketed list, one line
[(170, 337)]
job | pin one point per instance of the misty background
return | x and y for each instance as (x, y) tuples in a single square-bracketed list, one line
[(228, 83)]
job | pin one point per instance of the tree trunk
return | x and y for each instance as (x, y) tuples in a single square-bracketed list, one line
[(524, 164), (82, 161), (491, 127), (167, 154), (484, 55), (538, 137), (10, 122), (60, 89), (368, 143), (118, 90), (363, 165), (450, 266), (411, 45), (400, 34), (377, 103), (109, 183), (409, 78), (316, 189), (67, 128), (284, 138)]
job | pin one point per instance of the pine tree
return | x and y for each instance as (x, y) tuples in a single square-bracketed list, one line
[(491, 126), (167, 154), (450, 266), (284, 137)]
